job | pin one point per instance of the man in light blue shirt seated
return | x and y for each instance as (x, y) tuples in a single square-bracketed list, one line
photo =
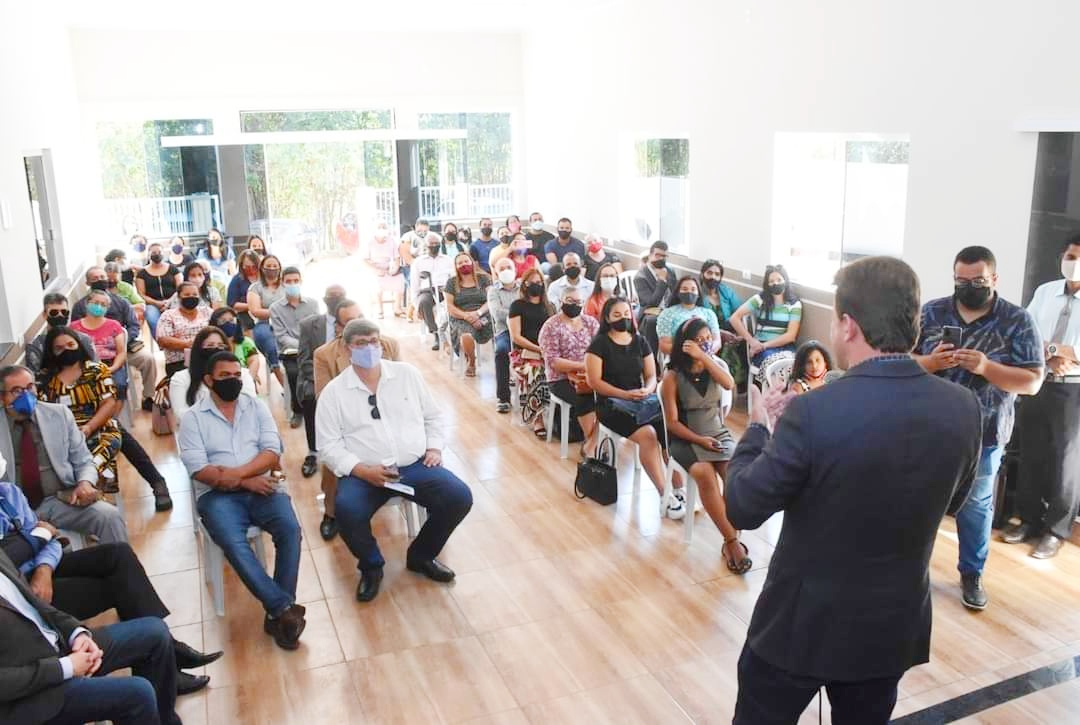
[(230, 447)]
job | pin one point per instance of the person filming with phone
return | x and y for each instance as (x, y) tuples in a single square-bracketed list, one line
[(379, 431), (979, 340)]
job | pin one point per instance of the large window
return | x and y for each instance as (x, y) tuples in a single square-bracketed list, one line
[(654, 191), (466, 177), (836, 198), (339, 120)]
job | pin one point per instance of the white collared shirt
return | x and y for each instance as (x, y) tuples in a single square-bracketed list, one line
[(409, 423), (441, 268), (1046, 306), (555, 289)]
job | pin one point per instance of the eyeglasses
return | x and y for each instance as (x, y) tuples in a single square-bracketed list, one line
[(58, 313), (978, 282), (17, 391), (374, 403), (214, 348)]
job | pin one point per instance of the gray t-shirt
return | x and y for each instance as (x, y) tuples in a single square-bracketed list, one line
[(267, 295)]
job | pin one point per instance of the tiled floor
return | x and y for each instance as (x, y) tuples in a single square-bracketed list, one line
[(563, 611)]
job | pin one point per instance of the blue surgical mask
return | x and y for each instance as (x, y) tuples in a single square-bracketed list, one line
[(95, 309), (367, 356), (25, 403), (229, 328), (292, 290), (706, 347)]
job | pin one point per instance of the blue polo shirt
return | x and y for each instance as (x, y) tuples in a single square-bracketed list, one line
[(481, 251), (1006, 334), (573, 244)]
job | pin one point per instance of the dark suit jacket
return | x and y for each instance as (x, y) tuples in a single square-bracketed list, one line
[(30, 672), (652, 292), (312, 336), (863, 469)]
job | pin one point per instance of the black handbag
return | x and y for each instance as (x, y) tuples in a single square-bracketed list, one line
[(597, 478)]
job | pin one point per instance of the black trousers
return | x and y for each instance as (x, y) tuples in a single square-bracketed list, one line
[(292, 371), (138, 457), (90, 581), (309, 422), (425, 303), (1048, 491), (771, 696), (648, 331)]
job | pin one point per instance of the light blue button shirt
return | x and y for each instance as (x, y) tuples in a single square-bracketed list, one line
[(1046, 306), (208, 439)]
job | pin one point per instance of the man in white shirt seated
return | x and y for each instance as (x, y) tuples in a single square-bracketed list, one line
[(230, 447), (379, 431), (430, 270), (573, 276)]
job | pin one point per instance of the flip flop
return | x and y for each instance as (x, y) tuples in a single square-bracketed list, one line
[(742, 566)]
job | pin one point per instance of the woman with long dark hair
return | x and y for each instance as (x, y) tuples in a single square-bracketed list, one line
[(260, 296), (693, 389), (466, 304), (70, 376), (812, 361), (688, 302), (777, 313), (527, 315), (186, 387)]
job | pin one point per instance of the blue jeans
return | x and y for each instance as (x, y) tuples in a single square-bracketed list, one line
[(975, 518), (227, 516), (445, 496), (264, 340), (153, 314), (149, 697)]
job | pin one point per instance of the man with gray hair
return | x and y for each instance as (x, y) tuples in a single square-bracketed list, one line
[(378, 429)]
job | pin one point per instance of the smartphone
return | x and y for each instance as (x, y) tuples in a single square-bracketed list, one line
[(952, 335)]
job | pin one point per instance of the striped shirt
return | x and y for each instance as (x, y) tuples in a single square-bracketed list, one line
[(775, 323)]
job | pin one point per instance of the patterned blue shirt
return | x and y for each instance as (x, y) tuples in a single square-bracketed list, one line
[(1006, 334)]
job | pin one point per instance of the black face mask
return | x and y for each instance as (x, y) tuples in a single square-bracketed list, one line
[(433, 251), (572, 273), (451, 236), (974, 298), (228, 389), (658, 263), (688, 298), (486, 231), (100, 284), (56, 320), (712, 283), (69, 357), (571, 309), (534, 289), (563, 234), (156, 257), (777, 289), (189, 303), (504, 240), (622, 325)]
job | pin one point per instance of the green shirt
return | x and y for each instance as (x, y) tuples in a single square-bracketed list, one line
[(244, 350), (126, 291)]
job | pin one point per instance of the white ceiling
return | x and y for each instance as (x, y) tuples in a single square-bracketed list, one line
[(428, 17)]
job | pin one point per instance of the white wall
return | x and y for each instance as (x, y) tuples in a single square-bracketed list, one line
[(39, 110), (956, 76)]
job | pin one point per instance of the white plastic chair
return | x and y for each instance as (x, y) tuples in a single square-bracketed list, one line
[(628, 291), (564, 406), (603, 432), (415, 515), (727, 401), (214, 557), (778, 372)]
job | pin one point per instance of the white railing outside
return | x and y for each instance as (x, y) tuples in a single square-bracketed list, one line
[(386, 206), (164, 216), (465, 201)]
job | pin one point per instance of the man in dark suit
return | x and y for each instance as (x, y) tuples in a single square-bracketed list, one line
[(653, 284), (51, 667), (863, 469), (315, 330)]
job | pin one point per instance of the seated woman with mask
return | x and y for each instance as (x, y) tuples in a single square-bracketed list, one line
[(605, 286), (687, 305), (527, 315), (777, 314), (186, 387), (245, 349)]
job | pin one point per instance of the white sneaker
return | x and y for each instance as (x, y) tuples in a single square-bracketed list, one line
[(676, 505)]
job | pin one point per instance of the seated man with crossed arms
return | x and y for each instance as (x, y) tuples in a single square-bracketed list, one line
[(379, 431)]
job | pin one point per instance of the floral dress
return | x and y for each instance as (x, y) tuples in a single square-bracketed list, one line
[(94, 387)]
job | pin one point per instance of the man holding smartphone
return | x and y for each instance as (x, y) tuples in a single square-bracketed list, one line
[(978, 340)]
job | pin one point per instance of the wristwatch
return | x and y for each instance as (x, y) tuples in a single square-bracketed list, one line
[(1051, 350)]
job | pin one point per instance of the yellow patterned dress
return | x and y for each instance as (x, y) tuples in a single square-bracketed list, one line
[(93, 388)]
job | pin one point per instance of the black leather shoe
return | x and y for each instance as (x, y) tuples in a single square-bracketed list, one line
[(188, 658), (436, 345), (328, 528), (1017, 533), (433, 569), (162, 499), (287, 628), (368, 588), (187, 683), (310, 467), (1049, 546), (974, 594), (148, 404)]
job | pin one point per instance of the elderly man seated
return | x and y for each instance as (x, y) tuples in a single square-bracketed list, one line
[(379, 430), (54, 467), (230, 447)]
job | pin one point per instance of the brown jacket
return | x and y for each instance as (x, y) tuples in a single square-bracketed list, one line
[(333, 357)]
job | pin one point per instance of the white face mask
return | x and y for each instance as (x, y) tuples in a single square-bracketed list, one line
[(507, 276), (537, 225), (608, 284), (1070, 269)]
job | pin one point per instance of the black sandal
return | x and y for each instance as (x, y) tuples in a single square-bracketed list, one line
[(742, 566)]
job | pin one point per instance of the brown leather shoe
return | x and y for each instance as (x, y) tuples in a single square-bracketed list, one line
[(287, 628)]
